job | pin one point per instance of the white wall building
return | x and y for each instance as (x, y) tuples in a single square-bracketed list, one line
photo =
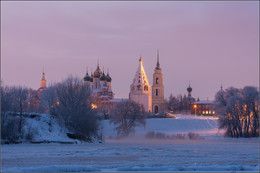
[(140, 90)]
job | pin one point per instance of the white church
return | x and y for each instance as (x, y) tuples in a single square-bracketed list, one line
[(141, 92)]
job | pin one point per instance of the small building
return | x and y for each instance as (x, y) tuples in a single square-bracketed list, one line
[(203, 107)]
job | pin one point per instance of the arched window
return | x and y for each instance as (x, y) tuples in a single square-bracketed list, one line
[(139, 88), (157, 92), (145, 88), (157, 80)]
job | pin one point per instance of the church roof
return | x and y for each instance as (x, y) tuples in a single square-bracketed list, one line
[(140, 77)]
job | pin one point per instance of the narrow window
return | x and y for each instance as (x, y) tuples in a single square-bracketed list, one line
[(157, 80), (156, 92)]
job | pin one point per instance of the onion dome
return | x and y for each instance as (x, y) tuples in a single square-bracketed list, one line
[(87, 78), (98, 72), (103, 77), (189, 89), (108, 78)]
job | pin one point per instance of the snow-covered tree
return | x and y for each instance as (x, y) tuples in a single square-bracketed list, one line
[(238, 111)]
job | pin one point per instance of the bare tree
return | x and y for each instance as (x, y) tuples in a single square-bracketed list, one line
[(74, 109), (6, 103), (19, 96), (49, 98), (126, 116), (13, 100)]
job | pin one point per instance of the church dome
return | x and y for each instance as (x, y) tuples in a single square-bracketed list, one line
[(108, 78), (189, 89), (98, 72), (87, 78), (103, 77)]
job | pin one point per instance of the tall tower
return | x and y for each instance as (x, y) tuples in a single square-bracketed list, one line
[(157, 88), (140, 90), (43, 81)]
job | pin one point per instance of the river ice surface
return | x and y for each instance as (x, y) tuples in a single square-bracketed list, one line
[(213, 152)]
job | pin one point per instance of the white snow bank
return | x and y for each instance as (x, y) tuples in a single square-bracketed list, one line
[(46, 128)]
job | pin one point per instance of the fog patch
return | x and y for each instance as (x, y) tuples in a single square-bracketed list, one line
[(155, 137), (160, 135)]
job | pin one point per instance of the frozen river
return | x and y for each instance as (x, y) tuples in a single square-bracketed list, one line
[(212, 152), (148, 155)]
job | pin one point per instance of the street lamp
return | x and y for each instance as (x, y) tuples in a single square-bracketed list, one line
[(195, 107)]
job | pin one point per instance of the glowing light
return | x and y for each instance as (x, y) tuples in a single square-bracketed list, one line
[(29, 103), (58, 102), (207, 112), (213, 112), (195, 106), (93, 106)]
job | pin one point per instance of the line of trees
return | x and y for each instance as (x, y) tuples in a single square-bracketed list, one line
[(238, 111), (178, 104)]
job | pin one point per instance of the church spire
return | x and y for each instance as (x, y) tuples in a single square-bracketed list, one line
[(158, 63), (98, 64), (43, 81)]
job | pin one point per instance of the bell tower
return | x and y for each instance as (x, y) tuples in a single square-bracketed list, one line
[(158, 104), (140, 89), (43, 81)]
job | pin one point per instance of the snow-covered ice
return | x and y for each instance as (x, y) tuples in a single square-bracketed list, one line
[(136, 153)]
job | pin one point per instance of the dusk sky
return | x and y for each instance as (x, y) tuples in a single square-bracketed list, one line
[(204, 42)]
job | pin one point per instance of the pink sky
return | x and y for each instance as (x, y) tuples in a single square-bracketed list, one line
[(204, 42)]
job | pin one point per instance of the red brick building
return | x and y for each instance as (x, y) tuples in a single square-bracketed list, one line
[(203, 107)]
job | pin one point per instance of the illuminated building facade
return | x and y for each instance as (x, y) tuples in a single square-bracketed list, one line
[(202, 107), (43, 83), (101, 91), (140, 89), (158, 103)]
